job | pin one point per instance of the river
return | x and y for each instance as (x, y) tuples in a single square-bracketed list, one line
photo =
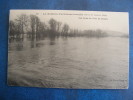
[(73, 62)]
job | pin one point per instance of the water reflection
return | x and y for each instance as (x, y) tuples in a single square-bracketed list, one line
[(15, 39), (33, 44), (73, 62), (19, 46), (52, 41)]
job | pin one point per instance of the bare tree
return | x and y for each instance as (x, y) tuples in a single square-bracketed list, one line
[(41, 29), (12, 28), (53, 24), (34, 23), (65, 29), (58, 26), (22, 23)]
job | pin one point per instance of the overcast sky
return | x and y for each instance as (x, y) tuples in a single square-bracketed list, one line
[(113, 21)]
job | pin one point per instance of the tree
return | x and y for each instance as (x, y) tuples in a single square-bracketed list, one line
[(34, 24), (41, 29), (53, 24), (58, 26), (65, 29), (22, 23), (12, 28)]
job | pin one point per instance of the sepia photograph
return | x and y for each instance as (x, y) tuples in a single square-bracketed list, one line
[(68, 49)]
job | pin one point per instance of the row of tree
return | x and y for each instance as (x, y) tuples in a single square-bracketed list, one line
[(33, 27)]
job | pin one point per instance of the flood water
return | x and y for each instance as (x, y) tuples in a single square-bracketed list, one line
[(73, 62)]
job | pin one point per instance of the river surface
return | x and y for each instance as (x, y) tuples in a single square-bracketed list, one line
[(73, 62)]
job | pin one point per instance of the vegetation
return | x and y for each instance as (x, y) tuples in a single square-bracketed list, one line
[(33, 27)]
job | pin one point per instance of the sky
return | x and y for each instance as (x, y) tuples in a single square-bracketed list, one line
[(82, 20)]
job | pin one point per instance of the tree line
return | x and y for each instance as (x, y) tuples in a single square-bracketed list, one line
[(33, 27)]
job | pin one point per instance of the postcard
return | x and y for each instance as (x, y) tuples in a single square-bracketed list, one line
[(68, 49)]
